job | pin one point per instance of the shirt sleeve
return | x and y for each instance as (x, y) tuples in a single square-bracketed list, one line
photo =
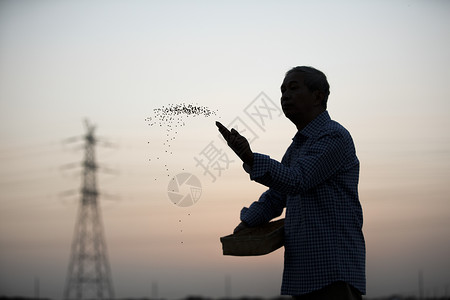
[(324, 158), (270, 205)]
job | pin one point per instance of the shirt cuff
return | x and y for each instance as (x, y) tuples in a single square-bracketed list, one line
[(247, 168), (260, 165)]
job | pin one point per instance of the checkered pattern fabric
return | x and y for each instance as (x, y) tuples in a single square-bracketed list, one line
[(317, 183)]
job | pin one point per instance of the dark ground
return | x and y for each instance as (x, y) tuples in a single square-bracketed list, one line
[(393, 297)]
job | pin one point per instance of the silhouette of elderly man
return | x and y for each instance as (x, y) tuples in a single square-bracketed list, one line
[(317, 182)]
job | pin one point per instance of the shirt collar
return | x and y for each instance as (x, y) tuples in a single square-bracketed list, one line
[(313, 127)]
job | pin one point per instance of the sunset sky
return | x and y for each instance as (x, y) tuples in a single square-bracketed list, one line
[(114, 62)]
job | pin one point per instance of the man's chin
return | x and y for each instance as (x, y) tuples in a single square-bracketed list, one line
[(289, 115), (293, 118)]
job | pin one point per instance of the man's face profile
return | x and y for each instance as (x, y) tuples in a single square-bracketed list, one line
[(297, 101)]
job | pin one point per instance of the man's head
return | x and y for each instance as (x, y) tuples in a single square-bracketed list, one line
[(314, 80), (304, 95)]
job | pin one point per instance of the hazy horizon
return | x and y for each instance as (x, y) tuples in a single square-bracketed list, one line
[(114, 62)]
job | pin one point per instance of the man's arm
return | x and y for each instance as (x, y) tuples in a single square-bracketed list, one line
[(271, 203), (269, 206), (324, 158)]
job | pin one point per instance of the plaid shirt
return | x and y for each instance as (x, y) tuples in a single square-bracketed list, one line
[(317, 182)]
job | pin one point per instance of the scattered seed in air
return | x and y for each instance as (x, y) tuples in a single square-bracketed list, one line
[(173, 116)]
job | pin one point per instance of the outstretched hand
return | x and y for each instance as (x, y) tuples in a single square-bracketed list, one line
[(237, 143)]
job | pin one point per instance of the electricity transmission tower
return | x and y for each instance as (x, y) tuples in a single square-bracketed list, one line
[(89, 273)]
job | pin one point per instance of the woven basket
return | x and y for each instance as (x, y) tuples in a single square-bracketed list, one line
[(255, 241)]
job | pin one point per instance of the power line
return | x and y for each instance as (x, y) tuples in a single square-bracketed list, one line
[(31, 150)]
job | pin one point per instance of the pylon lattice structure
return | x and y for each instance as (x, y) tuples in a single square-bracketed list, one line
[(89, 273)]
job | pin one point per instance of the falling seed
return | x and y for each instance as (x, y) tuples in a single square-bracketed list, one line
[(173, 116)]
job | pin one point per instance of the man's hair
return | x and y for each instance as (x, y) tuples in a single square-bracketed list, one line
[(314, 80)]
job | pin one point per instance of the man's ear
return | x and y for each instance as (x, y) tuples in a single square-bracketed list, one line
[(319, 97)]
